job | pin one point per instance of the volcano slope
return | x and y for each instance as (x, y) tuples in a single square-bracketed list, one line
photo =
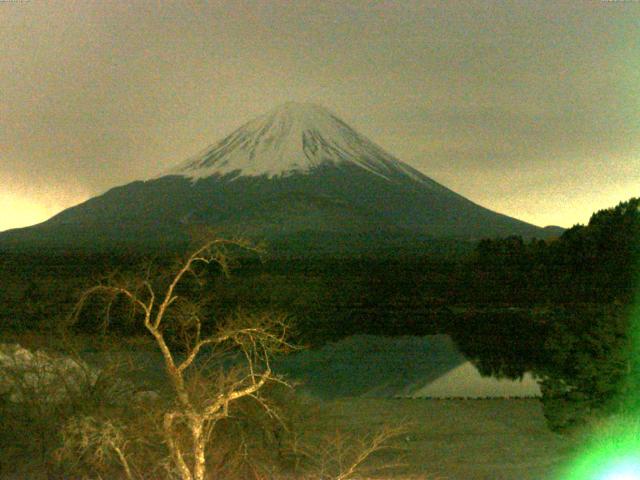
[(295, 171)]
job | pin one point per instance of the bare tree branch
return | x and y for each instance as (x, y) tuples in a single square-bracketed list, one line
[(257, 337)]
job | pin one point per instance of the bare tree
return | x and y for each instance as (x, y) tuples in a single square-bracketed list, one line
[(200, 401)]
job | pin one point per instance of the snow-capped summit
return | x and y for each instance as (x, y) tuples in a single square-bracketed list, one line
[(292, 138)]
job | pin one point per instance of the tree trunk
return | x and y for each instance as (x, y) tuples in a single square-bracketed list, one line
[(199, 465), (174, 448)]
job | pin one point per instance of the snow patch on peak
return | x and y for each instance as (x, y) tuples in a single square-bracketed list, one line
[(294, 138)]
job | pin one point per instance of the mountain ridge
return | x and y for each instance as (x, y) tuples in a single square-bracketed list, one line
[(297, 168)]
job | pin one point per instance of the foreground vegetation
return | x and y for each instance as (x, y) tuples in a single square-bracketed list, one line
[(562, 309), (219, 410)]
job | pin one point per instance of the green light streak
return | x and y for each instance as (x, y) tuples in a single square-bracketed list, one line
[(613, 451), (613, 454)]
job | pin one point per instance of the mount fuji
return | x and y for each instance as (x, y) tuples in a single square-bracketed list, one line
[(296, 173)]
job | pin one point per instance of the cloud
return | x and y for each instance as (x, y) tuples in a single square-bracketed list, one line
[(472, 93)]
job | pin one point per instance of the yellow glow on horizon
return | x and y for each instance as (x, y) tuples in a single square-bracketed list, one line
[(22, 211), (568, 210)]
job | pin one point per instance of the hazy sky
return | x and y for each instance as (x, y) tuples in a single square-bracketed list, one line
[(528, 108)]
